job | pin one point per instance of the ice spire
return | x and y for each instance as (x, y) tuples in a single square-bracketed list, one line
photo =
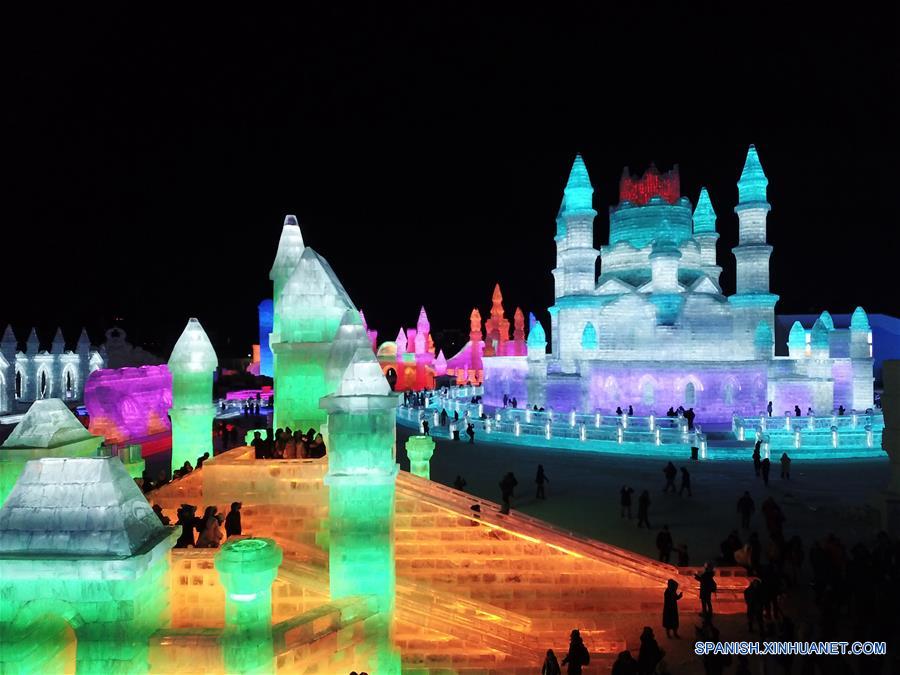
[(59, 342), (518, 325), (422, 325), (84, 341), (579, 194), (797, 337), (290, 248), (537, 337), (704, 214), (401, 342), (363, 376), (475, 334), (753, 181), (826, 319), (193, 353), (532, 319), (859, 320), (9, 338), (32, 345), (351, 336), (440, 364)]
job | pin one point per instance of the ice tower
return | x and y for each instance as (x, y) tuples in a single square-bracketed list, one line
[(362, 471), (290, 248), (192, 363), (752, 300), (308, 313)]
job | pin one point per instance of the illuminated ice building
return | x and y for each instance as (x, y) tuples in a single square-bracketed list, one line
[(655, 330)]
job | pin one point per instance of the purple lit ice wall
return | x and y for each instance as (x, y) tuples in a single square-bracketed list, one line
[(129, 403), (505, 375)]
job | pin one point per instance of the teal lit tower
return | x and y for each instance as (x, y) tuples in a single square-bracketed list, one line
[(704, 220), (247, 568), (192, 363), (576, 257), (752, 298), (362, 471)]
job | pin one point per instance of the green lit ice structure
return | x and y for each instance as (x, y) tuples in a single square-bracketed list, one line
[(362, 472), (49, 429), (192, 363), (80, 550)]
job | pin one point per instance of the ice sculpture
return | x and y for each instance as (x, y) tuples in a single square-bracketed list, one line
[(362, 470), (656, 320), (420, 449), (290, 249), (266, 319), (308, 315), (127, 404), (410, 357), (48, 429), (79, 542), (192, 363), (247, 568)]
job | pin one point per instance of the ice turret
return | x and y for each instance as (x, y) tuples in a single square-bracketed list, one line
[(58, 345), (290, 249), (704, 214), (422, 325), (9, 342), (819, 338), (192, 363), (859, 320), (705, 234), (537, 337), (579, 193), (575, 254), (440, 364), (402, 343), (84, 342), (362, 471), (589, 336), (32, 345), (535, 380), (827, 321), (797, 341), (351, 336), (861, 361), (753, 181)]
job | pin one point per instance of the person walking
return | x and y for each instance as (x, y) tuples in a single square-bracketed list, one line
[(643, 509), (578, 656), (670, 473), (650, 654), (551, 665), (785, 466), (757, 457), (765, 468), (459, 483), (685, 482), (540, 479), (769, 408), (625, 500), (671, 596), (470, 432)]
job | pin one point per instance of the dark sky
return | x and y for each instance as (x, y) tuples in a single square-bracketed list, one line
[(424, 150)]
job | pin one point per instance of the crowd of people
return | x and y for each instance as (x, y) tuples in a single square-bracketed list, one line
[(288, 444), (204, 531)]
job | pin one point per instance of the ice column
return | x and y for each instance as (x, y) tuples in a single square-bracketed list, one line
[(420, 449), (537, 365), (861, 360), (362, 471), (192, 363), (247, 568)]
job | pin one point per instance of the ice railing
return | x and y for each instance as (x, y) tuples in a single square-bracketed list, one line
[(534, 530), (852, 429), (529, 425)]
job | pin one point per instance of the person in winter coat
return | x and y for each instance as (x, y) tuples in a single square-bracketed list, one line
[(671, 596)]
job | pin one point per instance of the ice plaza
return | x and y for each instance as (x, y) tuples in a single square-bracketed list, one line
[(346, 563)]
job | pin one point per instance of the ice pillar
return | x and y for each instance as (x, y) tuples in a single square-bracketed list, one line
[(247, 569), (362, 472), (420, 449), (192, 362), (266, 314)]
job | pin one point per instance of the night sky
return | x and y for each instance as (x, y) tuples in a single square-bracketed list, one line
[(152, 157)]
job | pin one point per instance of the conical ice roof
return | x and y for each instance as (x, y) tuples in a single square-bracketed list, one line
[(193, 352)]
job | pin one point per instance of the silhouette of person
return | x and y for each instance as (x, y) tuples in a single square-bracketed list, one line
[(796, 411), (785, 466), (757, 457), (664, 544), (470, 432), (746, 507), (685, 482), (625, 664), (769, 408), (425, 430), (630, 411), (765, 467), (643, 509), (619, 410), (540, 479), (753, 600), (551, 665), (233, 520), (670, 472), (578, 656), (459, 483), (707, 588), (625, 500), (650, 654), (671, 596)]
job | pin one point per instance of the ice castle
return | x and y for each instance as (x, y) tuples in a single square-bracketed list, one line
[(655, 330)]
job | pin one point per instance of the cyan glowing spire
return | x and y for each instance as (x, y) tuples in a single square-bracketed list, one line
[(537, 337), (826, 319), (819, 334), (704, 214), (753, 181), (859, 320), (589, 336), (797, 337), (579, 194)]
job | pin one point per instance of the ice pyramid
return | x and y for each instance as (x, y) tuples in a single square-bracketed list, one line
[(313, 303), (78, 507), (47, 424), (363, 376), (193, 352), (704, 215), (351, 335)]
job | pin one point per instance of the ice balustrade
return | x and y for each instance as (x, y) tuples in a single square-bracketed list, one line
[(849, 435)]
